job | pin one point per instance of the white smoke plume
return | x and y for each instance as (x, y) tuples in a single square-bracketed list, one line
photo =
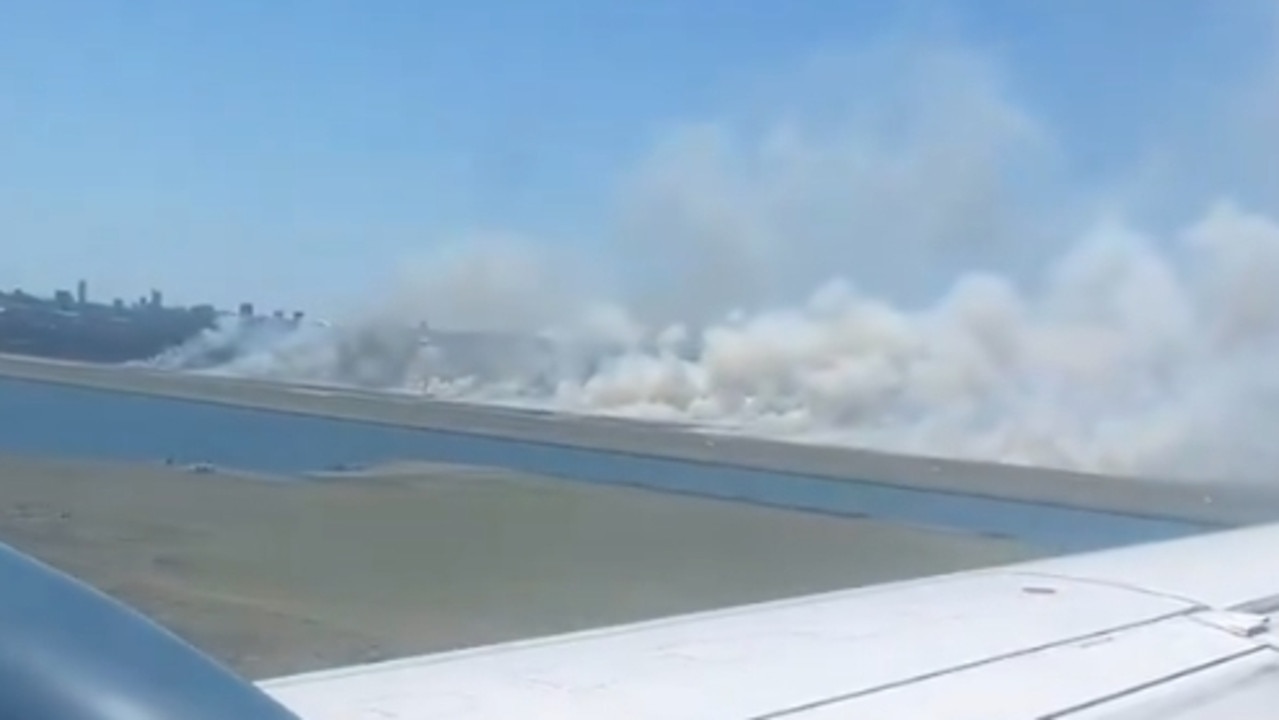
[(781, 276)]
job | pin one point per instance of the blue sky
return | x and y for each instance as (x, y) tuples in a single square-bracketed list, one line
[(297, 152)]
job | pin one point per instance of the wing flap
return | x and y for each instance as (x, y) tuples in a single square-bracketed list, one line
[(1072, 637), (1059, 681), (743, 663)]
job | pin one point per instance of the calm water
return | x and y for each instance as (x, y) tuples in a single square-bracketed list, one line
[(58, 420)]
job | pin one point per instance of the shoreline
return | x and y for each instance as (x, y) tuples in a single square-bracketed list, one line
[(1218, 504), (274, 578)]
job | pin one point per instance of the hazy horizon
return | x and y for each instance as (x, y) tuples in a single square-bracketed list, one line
[(981, 229)]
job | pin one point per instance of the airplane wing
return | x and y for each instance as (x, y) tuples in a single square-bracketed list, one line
[(1177, 630)]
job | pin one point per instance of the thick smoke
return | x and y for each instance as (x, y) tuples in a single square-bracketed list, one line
[(785, 281)]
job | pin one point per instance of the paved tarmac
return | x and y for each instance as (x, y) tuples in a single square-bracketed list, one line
[(276, 576), (1209, 503)]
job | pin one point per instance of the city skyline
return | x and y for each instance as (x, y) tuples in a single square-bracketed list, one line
[(315, 157), (80, 294)]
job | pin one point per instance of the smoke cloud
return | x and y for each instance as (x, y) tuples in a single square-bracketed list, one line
[(905, 266)]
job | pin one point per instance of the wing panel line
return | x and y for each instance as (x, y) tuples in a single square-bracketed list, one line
[(902, 682)]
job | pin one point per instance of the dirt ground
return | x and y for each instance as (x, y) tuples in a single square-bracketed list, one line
[(275, 577)]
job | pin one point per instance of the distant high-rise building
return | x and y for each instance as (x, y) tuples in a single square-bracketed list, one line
[(246, 309), (82, 292), (157, 299)]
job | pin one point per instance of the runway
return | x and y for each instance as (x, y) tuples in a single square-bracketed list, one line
[(275, 565), (1214, 504)]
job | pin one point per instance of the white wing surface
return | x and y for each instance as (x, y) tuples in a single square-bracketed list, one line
[(1177, 630)]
